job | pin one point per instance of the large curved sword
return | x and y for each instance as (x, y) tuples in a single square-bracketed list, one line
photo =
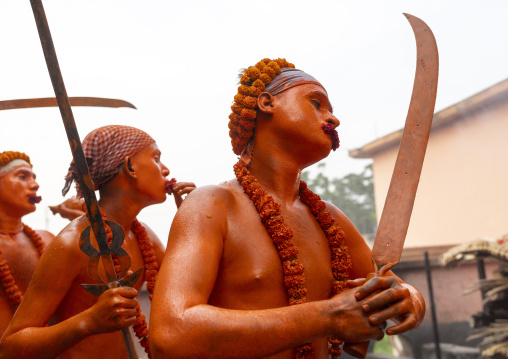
[(75, 101), (394, 221)]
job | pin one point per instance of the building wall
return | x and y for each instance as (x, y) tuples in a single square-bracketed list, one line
[(463, 190), (449, 285)]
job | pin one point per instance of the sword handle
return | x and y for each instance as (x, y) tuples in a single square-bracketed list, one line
[(129, 343), (359, 350)]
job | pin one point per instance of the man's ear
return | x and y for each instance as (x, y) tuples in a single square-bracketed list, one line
[(265, 103), (128, 168)]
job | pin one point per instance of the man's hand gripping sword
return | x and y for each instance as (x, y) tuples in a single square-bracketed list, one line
[(396, 214), (85, 181)]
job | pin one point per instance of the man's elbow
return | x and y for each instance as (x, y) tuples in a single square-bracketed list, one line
[(166, 345), (162, 344)]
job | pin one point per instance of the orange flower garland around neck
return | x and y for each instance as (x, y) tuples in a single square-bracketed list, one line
[(282, 235), (8, 283), (151, 270)]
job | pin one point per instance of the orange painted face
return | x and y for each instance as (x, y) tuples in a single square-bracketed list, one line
[(299, 115), (17, 190), (151, 173)]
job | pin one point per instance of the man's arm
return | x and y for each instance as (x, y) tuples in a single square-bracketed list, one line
[(182, 324), (398, 301), (27, 335), (70, 209)]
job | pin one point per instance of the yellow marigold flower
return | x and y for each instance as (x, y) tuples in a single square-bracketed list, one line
[(234, 118), (244, 90), (266, 78), (269, 71), (253, 73), (274, 66), (250, 102), (245, 80), (259, 84), (239, 98), (262, 63), (236, 108), (254, 91), (248, 124), (248, 114)]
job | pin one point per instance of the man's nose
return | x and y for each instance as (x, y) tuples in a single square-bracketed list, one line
[(34, 185), (165, 171), (332, 120)]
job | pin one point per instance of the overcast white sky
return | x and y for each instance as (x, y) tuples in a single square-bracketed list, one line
[(177, 62)]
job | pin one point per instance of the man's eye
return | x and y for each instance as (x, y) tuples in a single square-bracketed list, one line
[(22, 177), (316, 104), (157, 159)]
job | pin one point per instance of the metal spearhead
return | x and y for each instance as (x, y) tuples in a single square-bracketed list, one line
[(115, 248)]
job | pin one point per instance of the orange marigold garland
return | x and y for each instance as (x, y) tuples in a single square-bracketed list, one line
[(151, 267), (341, 261), (293, 270), (9, 156), (8, 283), (242, 121)]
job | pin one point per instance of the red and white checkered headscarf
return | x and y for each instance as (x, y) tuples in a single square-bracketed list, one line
[(105, 149)]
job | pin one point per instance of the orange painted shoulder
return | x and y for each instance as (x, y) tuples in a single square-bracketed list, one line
[(46, 236), (339, 216), (69, 236), (213, 195), (358, 249)]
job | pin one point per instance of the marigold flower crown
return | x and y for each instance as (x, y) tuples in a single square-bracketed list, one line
[(8, 283), (281, 234), (9, 156), (242, 121)]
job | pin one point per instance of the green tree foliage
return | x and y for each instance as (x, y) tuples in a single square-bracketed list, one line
[(353, 194)]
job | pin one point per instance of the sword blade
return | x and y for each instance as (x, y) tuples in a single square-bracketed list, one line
[(74, 101), (398, 207)]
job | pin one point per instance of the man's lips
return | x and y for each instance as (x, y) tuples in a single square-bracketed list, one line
[(33, 199), (169, 186), (330, 131)]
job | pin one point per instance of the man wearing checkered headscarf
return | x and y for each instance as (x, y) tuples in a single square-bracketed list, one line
[(105, 149)]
